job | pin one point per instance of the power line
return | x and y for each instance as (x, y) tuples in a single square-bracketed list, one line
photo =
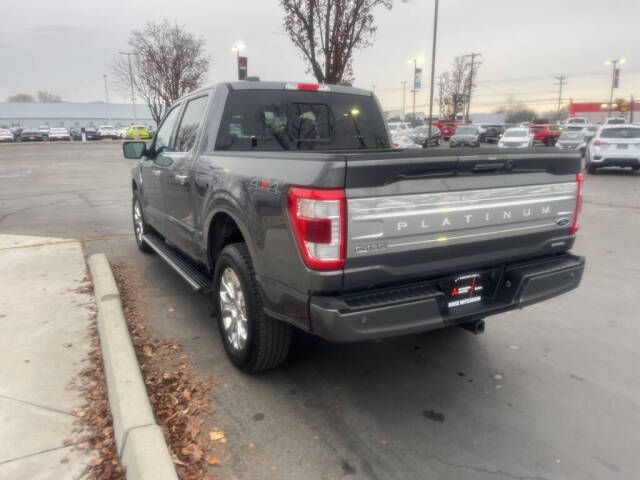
[(546, 77)]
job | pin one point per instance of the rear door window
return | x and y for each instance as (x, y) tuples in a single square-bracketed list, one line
[(293, 120)]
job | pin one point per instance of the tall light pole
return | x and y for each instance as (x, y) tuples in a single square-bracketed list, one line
[(433, 69), (415, 62), (614, 77), (106, 95), (237, 48), (133, 98)]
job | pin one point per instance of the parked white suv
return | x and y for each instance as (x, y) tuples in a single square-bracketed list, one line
[(397, 127), (614, 146), (516, 138), (578, 120), (107, 131), (615, 121)]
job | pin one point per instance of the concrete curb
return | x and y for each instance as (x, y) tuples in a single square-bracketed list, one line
[(141, 445)]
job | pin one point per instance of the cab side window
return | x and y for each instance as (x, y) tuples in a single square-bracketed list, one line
[(163, 137), (190, 124)]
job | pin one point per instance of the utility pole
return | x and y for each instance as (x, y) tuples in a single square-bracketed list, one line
[(631, 110), (433, 67), (133, 98), (404, 96), (561, 80), (470, 86), (106, 95), (374, 88), (615, 78)]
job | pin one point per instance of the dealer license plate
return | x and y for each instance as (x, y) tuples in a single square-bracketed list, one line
[(465, 290)]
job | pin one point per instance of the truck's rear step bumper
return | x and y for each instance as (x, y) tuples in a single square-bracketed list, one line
[(422, 306)]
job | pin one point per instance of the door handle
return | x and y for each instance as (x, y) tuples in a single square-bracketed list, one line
[(181, 179), (157, 173)]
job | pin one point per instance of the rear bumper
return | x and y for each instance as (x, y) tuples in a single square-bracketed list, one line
[(419, 307), (613, 161)]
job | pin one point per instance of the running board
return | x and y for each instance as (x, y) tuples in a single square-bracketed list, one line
[(184, 268)]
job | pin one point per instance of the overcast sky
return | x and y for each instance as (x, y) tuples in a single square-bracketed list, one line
[(67, 47)]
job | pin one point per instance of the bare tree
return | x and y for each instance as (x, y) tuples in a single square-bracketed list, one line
[(515, 111), (454, 87), (21, 98), (143, 86), (47, 97), (169, 63), (328, 31)]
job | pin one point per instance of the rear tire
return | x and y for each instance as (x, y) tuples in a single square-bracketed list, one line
[(140, 227), (591, 169), (254, 342)]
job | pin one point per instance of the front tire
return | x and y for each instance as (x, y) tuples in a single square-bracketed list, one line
[(140, 227), (254, 342)]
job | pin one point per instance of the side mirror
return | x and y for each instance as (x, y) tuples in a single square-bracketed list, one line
[(134, 150)]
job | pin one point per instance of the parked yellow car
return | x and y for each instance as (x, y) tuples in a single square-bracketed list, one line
[(138, 131)]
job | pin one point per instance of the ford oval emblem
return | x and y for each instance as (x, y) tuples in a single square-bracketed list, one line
[(563, 221)]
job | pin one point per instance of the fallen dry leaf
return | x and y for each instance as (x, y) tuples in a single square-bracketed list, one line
[(192, 451), (216, 435), (215, 461), (97, 461), (81, 414), (147, 350)]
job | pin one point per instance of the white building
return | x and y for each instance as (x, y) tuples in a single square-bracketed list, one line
[(66, 114)]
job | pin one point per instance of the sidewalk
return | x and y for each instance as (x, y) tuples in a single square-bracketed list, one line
[(43, 340)]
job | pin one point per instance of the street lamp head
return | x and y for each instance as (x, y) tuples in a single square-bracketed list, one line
[(622, 61), (238, 47)]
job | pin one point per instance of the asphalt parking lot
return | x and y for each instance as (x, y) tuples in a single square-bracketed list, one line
[(548, 392)]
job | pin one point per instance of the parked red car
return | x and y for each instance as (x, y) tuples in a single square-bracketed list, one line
[(547, 134), (447, 129)]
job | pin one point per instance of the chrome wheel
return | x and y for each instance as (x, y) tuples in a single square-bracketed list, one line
[(233, 309), (138, 222)]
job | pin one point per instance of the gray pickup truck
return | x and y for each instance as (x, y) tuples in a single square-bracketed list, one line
[(287, 204)]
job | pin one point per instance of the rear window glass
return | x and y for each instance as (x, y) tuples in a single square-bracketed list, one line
[(621, 132), (291, 120)]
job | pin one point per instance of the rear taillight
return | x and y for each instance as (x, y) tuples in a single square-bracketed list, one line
[(598, 143), (396, 145), (575, 225), (318, 222)]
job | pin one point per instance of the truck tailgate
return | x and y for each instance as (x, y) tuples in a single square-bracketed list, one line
[(415, 215)]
